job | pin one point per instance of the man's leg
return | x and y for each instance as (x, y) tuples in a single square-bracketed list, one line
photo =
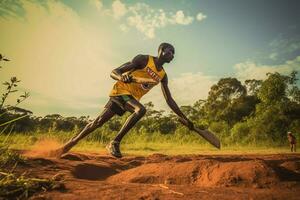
[(106, 115), (291, 145), (138, 111), (294, 147)]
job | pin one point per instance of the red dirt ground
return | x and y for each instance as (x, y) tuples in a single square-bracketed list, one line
[(94, 176)]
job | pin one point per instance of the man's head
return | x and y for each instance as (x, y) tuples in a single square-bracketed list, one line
[(166, 52)]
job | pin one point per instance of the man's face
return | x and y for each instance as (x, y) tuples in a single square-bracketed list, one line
[(168, 54)]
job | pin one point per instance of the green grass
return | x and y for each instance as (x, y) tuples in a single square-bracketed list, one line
[(173, 149), (10, 158), (21, 187), (142, 144), (13, 186)]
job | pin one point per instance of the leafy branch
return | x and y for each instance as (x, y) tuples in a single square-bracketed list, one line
[(3, 59), (11, 87)]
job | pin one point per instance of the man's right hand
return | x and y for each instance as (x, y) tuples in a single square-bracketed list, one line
[(126, 78)]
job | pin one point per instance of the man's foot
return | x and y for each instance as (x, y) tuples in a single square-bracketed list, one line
[(58, 153), (114, 149)]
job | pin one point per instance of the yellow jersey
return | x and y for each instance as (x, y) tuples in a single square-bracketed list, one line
[(137, 90)]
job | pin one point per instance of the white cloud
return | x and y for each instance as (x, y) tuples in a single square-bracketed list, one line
[(180, 18), (119, 9), (273, 56), (252, 70), (97, 3), (185, 89), (142, 25), (283, 46), (146, 19), (124, 28), (201, 16)]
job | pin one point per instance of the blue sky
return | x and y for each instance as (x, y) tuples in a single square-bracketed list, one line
[(63, 51)]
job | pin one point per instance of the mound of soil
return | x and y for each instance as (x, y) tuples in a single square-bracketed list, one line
[(93, 171), (201, 173), (243, 173), (292, 166), (89, 176), (77, 157)]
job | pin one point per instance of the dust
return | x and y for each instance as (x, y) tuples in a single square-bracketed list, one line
[(44, 147)]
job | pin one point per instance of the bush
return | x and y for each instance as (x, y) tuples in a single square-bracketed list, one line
[(221, 129), (239, 132)]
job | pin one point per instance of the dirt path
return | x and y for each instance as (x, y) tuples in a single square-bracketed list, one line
[(94, 176)]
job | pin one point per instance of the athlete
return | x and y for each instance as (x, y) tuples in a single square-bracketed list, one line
[(292, 141), (127, 92)]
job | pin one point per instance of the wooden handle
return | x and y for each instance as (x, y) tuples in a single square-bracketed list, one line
[(183, 122), (143, 80)]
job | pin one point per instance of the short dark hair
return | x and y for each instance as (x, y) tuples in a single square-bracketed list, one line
[(164, 45)]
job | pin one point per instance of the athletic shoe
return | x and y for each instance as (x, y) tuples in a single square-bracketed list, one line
[(114, 149)]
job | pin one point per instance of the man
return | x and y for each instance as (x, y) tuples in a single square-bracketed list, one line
[(292, 141), (127, 92)]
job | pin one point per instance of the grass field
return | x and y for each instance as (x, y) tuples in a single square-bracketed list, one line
[(137, 144)]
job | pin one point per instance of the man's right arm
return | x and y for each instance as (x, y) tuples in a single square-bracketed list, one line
[(137, 62)]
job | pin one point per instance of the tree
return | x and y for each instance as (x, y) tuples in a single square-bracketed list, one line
[(274, 88), (221, 100), (252, 86), (275, 113)]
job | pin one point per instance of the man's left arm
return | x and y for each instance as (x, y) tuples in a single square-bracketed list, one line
[(171, 102)]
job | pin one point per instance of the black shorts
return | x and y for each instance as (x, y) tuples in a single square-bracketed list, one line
[(117, 103)]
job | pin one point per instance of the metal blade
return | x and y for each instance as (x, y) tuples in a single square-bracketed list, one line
[(210, 137)]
